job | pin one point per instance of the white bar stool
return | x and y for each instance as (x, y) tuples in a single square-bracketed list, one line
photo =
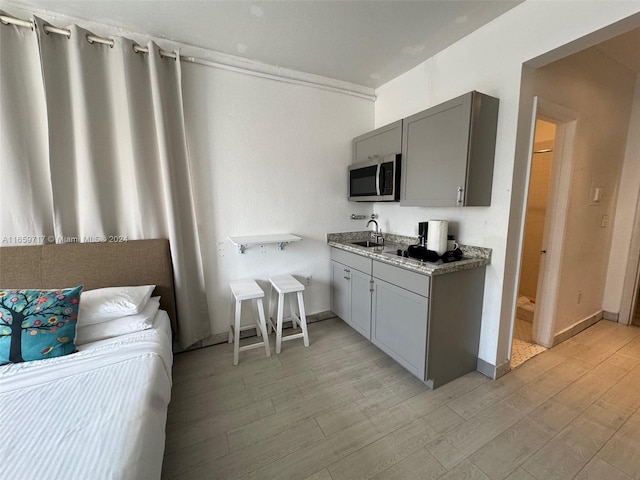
[(247, 290), (284, 284)]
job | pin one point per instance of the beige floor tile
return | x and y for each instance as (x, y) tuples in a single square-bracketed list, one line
[(537, 366), (321, 475), (598, 469), (553, 381), (465, 471), (567, 453), (193, 433), (289, 382), (472, 434), (218, 422), (520, 474), (623, 450), (271, 425), (298, 465), (590, 387), (487, 394), (553, 416), (420, 465), (626, 393), (445, 452), (351, 439), (341, 404), (246, 460), (430, 400), (340, 418), (383, 453), (186, 459), (632, 349), (511, 448)]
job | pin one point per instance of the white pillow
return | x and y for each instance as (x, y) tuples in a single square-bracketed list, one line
[(104, 304), (119, 326)]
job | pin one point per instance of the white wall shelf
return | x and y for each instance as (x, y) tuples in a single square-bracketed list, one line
[(281, 239)]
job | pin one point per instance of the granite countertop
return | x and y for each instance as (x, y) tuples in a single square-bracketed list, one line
[(473, 257)]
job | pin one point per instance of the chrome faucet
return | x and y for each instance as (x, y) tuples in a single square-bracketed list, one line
[(378, 232)]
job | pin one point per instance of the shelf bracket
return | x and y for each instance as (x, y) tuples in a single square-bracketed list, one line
[(241, 248)]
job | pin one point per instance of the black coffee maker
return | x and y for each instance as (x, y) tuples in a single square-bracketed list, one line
[(420, 250)]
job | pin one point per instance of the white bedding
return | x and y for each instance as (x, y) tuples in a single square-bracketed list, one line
[(99, 413)]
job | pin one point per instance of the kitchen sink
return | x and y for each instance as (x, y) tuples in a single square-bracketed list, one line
[(368, 244)]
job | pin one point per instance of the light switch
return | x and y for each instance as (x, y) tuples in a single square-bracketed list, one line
[(605, 221), (602, 184)]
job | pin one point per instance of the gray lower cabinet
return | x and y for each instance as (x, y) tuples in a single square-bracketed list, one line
[(340, 291), (448, 153), (399, 325), (361, 302), (429, 325), (351, 290), (378, 143)]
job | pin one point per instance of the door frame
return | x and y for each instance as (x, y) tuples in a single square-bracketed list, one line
[(566, 122), (632, 275)]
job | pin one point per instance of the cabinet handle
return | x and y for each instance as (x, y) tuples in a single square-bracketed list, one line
[(346, 274), (459, 197), (371, 285)]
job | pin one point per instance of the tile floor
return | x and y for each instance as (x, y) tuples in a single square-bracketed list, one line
[(523, 348), (342, 409)]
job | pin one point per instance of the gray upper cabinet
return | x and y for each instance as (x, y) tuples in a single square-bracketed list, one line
[(448, 153), (382, 141)]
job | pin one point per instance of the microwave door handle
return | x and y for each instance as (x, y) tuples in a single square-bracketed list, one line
[(378, 179)]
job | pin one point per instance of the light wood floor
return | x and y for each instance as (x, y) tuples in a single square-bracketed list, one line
[(342, 409)]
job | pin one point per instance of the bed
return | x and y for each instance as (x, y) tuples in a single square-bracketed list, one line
[(98, 413)]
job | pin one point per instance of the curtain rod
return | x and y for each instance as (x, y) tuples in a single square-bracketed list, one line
[(90, 37), (5, 19)]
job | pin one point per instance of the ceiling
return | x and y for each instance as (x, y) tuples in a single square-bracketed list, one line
[(624, 49), (363, 42)]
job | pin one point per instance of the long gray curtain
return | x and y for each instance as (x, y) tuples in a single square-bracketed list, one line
[(117, 155), (26, 210)]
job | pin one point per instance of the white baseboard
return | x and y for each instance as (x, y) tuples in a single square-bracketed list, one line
[(576, 328), (493, 371), (223, 337)]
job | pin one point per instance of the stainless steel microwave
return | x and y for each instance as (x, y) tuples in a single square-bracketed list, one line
[(375, 180)]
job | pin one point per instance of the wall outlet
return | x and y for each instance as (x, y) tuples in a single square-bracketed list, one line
[(605, 221), (579, 296), (307, 280)]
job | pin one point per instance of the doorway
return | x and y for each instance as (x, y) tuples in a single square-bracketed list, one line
[(524, 347)]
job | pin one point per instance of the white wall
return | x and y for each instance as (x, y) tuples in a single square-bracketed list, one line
[(625, 211), (490, 60), (269, 157), (600, 91)]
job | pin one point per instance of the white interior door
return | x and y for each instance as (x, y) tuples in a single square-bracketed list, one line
[(554, 228)]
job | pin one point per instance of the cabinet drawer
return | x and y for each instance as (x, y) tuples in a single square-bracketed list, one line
[(352, 260), (414, 282)]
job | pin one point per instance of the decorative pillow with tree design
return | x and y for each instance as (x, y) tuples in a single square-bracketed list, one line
[(37, 324)]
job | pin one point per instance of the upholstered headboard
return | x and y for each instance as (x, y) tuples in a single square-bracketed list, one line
[(94, 265)]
